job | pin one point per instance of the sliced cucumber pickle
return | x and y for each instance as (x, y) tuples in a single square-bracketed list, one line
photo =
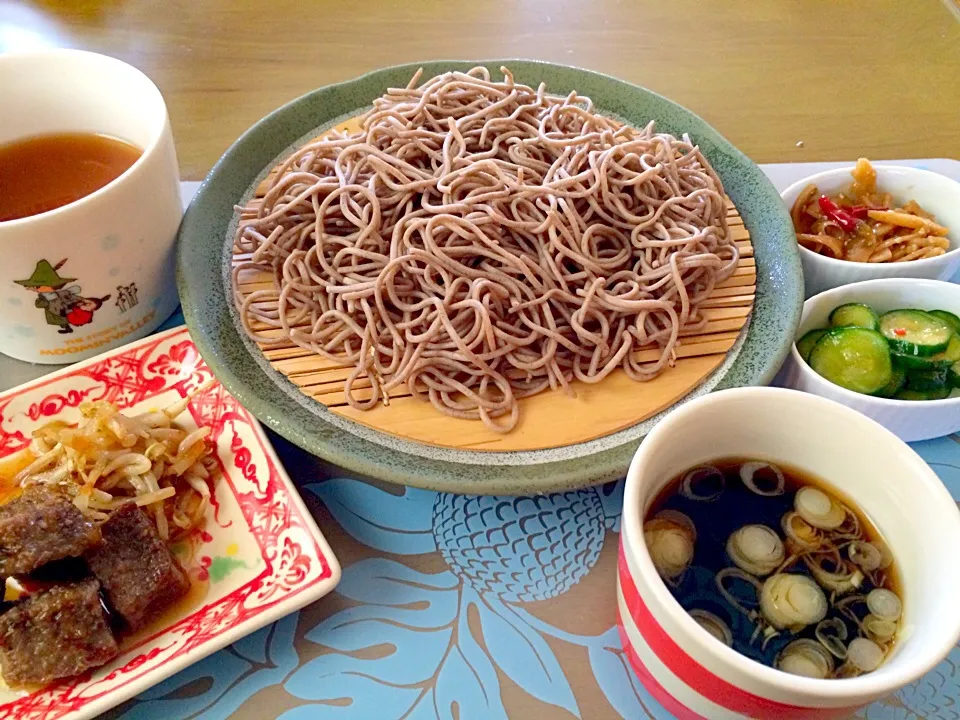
[(854, 358), (941, 360), (952, 353), (897, 381), (948, 317), (953, 375), (806, 343), (855, 315), (908, 354), (927, 379), (915, 332), (911, 362), (908, 394)]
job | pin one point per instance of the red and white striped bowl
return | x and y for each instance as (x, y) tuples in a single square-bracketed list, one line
[(696, 676)]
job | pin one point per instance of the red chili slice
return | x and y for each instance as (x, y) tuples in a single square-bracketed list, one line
[(838, 214)]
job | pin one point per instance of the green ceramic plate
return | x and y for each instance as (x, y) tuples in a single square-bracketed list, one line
[(203, 277)]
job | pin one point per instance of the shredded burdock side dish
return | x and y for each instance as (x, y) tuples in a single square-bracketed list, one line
[(864, 224)]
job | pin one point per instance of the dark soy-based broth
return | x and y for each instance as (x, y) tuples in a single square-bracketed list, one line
[(719, 509)]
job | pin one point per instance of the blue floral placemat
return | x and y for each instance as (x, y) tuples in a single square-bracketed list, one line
[(467, 607)]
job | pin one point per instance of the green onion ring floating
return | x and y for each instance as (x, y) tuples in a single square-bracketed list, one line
[(748, 474)]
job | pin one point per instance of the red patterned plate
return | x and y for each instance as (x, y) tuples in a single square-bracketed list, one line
[(259, 557)]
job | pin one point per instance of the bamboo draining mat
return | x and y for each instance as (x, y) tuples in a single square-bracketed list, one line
[(552, 418)]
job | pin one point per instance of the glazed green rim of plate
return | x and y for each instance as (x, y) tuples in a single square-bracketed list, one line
[(203, 279)]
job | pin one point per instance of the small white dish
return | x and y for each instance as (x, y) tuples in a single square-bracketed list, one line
[(935, 193), (259, 557), (680, 663), (910, 420)]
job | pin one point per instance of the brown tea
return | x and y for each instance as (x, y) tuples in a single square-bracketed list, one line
[(44, 172)]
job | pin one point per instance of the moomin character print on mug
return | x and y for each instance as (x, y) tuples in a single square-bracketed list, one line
[(63, 305)]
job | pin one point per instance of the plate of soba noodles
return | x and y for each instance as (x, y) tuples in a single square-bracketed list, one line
[(485, 277)]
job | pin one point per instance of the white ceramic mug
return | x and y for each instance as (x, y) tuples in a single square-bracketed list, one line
[(693, 674), (96, 273)]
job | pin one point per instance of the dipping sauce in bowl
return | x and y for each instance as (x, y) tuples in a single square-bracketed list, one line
[(777, 565), (44, 172), (832, 467)]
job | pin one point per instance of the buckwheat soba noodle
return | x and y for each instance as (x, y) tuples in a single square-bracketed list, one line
[(480, 241)]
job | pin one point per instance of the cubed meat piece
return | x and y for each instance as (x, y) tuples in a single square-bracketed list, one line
[(41, 526), (55, 634), (137, 570)]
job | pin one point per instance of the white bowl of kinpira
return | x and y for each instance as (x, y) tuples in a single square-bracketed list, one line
[(936, 194), (916, 392)]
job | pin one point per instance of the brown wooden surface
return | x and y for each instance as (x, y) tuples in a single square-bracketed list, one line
[(858, 77), (847, 78)]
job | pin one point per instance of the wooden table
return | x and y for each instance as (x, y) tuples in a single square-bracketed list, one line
[(860, 77), (785, 80)]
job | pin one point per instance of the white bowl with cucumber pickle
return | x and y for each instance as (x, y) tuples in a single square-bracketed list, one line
[(888, 348)]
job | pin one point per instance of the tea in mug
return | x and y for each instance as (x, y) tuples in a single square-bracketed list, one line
[(44, 172)]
